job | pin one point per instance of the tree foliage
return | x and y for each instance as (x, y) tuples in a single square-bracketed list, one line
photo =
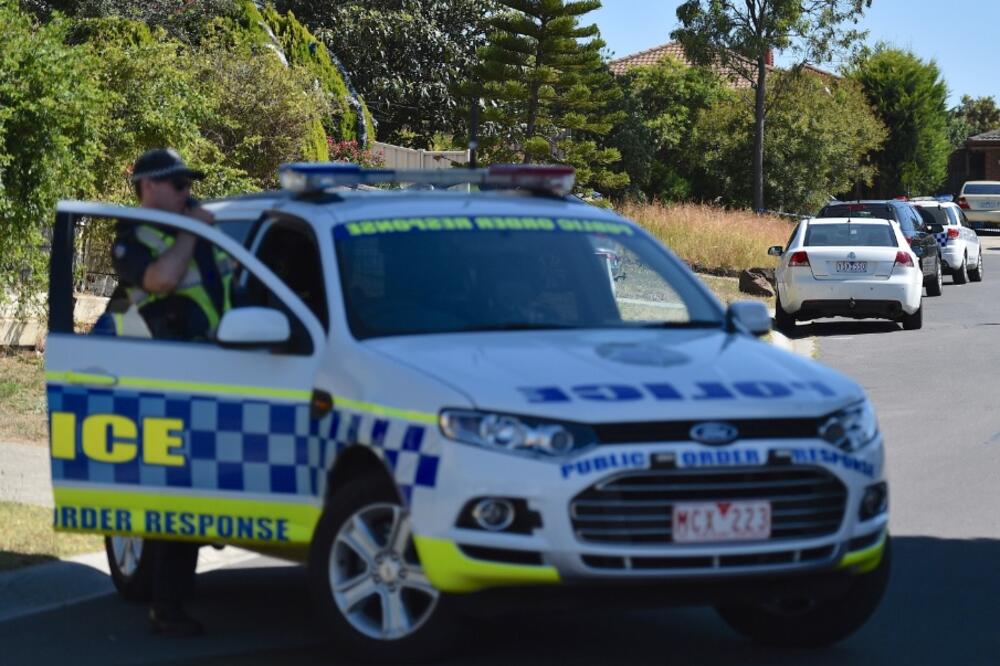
[(50, 130), (740, 36), (662, 102), (405, 58), (971, 117), (910, 98), (821, 136), (548, 94)]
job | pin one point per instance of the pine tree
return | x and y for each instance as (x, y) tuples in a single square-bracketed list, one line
[(547, 94)]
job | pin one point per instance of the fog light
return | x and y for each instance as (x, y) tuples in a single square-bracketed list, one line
[(494, 515), (874, 501)]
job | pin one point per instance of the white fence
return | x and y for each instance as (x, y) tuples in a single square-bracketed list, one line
[(397, 157)]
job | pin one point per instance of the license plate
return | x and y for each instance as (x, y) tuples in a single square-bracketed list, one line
[(852, 266), (989, 204), (721, 521)]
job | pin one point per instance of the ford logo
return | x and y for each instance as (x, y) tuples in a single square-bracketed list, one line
[(715, 434)]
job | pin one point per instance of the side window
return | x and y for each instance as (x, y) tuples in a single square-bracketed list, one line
[(906, 219), (124, 285), (792, 237), (918, 222), (289, 249)]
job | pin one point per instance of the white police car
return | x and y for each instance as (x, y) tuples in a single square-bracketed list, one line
[(441, 399), (959, 243)]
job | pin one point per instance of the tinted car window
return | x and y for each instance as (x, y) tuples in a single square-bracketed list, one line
[(981, 188), (870, 210), (851, 235), (934, 215)]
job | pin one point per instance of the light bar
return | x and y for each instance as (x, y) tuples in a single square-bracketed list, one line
[(306, 177)]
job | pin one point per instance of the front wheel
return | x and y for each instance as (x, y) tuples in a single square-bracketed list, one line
[(976, 274), (367, 580), (811, 623), (131, 565)]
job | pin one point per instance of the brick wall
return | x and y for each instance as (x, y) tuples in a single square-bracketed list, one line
[(993, 164)]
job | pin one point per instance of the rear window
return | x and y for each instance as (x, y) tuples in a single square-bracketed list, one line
[(876, 211), (934, 215), (981, 188), (850, 235)]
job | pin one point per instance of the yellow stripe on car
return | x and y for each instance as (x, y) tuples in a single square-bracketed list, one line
[(449, 570), (866, 560)]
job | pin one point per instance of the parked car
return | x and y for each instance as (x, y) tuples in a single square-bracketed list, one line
[(846, 267), (980, 199), (959, 244), (914, 229)]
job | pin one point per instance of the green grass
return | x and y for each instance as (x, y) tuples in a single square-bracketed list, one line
[(27, 537), (22, 397)]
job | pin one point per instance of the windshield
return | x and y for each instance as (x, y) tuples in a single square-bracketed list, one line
[(981, 188), (937, 215), (448, 275), (846, 234)]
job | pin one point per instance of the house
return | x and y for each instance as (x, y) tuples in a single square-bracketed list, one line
[(676, 51), (978, 160)]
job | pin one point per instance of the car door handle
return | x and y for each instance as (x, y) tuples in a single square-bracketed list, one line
[(90, 378)]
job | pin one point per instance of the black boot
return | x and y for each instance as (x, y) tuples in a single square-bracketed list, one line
[(172, 620)]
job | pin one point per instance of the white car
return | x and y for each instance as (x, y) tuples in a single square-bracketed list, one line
[(980, 199), (440, 398), (843, 267), (960, 248)]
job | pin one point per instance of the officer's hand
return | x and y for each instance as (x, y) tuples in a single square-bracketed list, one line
[(200, 213)]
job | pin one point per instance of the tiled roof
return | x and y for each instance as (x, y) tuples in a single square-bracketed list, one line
[(675, 50), (992, 135), (648, 57)]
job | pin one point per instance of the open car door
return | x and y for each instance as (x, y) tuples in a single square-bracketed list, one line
[(176, 439)]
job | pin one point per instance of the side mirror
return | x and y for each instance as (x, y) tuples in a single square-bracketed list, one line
[(775, 250), (751, 315), (253, 327)]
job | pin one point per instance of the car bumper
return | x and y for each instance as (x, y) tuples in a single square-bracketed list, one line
[(562, 550), (984, 219), (954, 254), (871, 297)]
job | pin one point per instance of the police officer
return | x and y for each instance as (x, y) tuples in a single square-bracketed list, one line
[(174, 287)]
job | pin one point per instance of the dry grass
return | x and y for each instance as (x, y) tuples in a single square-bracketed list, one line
[(711, 237), (22, 397), (727, 290), (27, 537)]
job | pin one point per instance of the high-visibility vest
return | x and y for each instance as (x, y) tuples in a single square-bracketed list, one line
[(192, 284)]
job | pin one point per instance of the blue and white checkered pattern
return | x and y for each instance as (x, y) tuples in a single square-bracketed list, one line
[(246, 445), (941, 238)]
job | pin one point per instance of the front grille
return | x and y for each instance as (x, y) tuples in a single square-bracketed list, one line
[(635, 508), (644, 563), (680, 431)]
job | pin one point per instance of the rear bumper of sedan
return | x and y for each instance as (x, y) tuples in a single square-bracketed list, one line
[(805, 297)]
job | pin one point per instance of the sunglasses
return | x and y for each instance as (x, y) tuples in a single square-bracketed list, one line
[(179, 182)]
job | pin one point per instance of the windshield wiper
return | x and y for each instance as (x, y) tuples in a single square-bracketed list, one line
[(683, 324), (513, 326)]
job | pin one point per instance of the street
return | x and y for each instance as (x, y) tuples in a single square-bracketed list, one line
[(933, 389)]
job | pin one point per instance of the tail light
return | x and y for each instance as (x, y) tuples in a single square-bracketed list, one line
[(953, 233), (903, 259), (799, 258), (963, 204)]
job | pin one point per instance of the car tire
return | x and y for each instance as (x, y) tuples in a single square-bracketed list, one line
[(130, 560), (362, 560), (912, 322), (808, 623), (976, 274), (935, 285), (961, 274), (783, 321)]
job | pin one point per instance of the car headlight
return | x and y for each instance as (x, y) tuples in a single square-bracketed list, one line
[(851, 429), (515, 434)]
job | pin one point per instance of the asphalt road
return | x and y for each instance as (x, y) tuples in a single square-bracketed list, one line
[(935, 390)]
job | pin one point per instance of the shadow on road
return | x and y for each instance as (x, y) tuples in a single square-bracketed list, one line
[(842, 327), (940, 608)]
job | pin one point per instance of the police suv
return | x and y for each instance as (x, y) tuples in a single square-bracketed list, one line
[(443, 399)]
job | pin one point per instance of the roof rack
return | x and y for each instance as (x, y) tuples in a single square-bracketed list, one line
[(314, 177)]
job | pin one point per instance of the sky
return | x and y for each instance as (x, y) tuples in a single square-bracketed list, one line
[(956, 34)]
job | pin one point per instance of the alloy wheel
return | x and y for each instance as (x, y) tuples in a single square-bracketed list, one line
[(377, 581), (128, 552)]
